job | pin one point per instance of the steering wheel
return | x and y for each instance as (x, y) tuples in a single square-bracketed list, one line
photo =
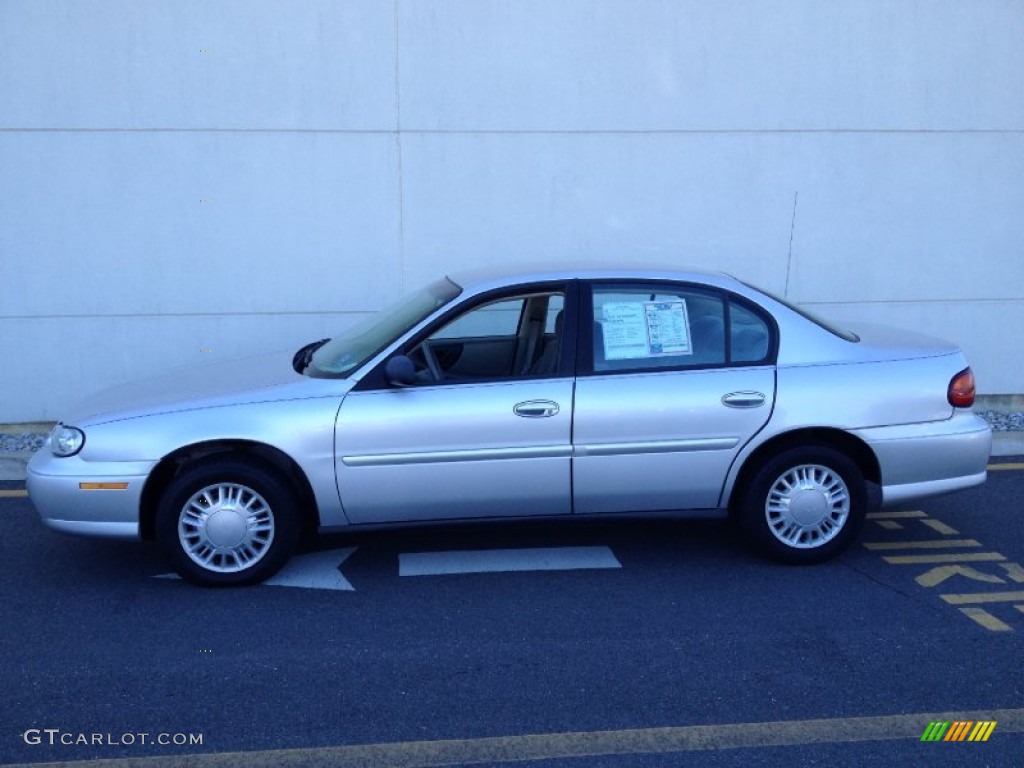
[(431, 360)]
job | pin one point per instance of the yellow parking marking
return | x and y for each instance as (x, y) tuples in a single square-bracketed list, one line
[(890, 525), (986, 619), (966, 557), (940, 527), (985, 597), (898, 515), (497, 750), (1014, 571), (936, 576), (13, 494), (929, 544), (997, 467), (945, 562)]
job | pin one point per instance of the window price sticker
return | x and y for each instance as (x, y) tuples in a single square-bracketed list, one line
[(668, 328), (635, 329)]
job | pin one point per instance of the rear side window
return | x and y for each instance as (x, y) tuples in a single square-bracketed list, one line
[(644, 327), (667, 326)]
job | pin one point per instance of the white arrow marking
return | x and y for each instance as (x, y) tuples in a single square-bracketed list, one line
[(320, 570), (504, 560)]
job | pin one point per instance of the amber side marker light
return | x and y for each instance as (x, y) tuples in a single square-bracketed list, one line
[(102, 486), (961, 389)]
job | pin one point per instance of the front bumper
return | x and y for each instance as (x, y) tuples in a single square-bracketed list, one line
[(934, 457), (54, 488)]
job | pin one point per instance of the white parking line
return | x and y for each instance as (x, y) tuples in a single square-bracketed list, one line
[(504, 560), (320, 570)]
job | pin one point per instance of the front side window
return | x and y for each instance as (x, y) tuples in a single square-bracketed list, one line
[(499, 318), (509, 337)]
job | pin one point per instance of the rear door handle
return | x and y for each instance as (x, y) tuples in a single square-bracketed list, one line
[(535, 409), (743, 399)]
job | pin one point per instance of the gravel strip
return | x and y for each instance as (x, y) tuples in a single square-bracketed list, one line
[(21, 443), (1004, 422)]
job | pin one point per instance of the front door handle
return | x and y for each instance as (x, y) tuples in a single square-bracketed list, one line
[(743, 399), (535, 409)]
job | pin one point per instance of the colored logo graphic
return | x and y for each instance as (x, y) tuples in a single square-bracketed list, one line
[(958, 730)]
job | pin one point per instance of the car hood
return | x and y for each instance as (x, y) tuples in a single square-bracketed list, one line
[(254, 379)]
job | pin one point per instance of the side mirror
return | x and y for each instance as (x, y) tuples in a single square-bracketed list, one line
[(301, 359), (399, 371)]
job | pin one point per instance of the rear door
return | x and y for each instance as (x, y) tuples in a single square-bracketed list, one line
[(674, 380)]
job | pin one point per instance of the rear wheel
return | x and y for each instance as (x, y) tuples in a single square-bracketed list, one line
[(805, 505), (227, 523)]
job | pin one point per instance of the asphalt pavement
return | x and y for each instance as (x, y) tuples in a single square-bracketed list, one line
[(638, 643)]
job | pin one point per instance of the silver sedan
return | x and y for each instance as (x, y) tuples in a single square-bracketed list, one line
[(554, 393)]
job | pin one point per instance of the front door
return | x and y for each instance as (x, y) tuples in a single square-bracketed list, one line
[(485, 432)]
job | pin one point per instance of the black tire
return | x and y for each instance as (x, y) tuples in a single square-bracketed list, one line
[(252, 547), (814, 522)]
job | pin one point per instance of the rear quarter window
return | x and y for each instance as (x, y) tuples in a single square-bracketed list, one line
[(821, 322)]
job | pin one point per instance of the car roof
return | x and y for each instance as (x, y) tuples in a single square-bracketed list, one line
[(486, 278)]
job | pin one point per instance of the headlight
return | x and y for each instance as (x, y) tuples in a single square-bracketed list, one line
[(66, 441)]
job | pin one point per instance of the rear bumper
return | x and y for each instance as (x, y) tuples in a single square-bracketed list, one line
[(919, 460), (54, 489)]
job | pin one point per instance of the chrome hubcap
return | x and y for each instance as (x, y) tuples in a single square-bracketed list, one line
[(807, 506), (226, 527)]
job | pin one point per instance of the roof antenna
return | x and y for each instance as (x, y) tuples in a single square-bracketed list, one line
[(789, 258)]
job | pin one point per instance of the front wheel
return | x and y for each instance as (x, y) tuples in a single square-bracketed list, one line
[(227, 523), (805, 505)]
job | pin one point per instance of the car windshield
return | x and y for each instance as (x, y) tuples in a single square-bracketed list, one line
[(354, 346)]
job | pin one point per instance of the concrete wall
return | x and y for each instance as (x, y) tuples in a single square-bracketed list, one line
[(241, 176)]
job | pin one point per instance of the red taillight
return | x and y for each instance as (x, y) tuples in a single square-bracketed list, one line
[(961, 389)]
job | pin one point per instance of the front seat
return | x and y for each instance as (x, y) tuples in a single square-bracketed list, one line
[(547, 363)]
